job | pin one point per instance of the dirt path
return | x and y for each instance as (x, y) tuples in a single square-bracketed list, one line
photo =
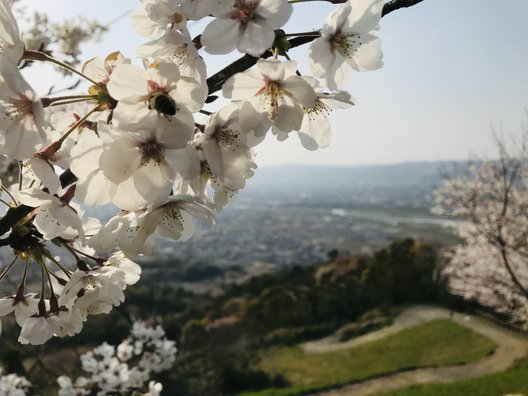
[(510, 347)]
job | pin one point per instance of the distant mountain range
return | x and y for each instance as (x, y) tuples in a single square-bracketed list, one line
[(407, 173), (407, 184)]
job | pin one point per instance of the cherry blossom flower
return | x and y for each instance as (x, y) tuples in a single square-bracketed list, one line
[(145, 170), (155, 389), (153, 17), (249, 27), (53, 214), (133, 233), (226, 159), (121, 231), (93, 187), (125, 351), (107, 373), (61, 120), (43, 170), (68, 388), (21, 114), (173, 218), (38, 329), (346, 43), (13, 385), (68, 322), (23, 306), (177, 48), (146, 96), (224, 145), (131, 270), (273, 95), (11, 46), (315, 131), (147, 165), (100, 70), (102, 288)]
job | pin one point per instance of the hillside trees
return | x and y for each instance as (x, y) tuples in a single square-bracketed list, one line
[(403, 272), (491, 266), (295, 305)]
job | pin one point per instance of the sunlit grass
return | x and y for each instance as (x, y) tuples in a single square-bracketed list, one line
[(437, 343)]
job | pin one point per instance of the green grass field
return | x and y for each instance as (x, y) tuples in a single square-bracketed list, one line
[(513, 381), (437, 343)]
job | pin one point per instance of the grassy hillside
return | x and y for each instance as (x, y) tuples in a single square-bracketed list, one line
[(513, 381), (438, 343), (220, 336)]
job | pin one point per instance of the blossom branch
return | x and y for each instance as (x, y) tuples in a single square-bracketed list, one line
[(14, 215), (215, 82)]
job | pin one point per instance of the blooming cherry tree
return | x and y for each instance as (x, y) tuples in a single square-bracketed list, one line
[(146, 138), (491, 265)]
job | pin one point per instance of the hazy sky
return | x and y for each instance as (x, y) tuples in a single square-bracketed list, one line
[(452, 69)]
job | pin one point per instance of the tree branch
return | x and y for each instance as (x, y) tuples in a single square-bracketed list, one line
[(506, 261), (508, 181), (394, 5)]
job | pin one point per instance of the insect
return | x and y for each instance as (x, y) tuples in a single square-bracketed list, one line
[(162, 102)]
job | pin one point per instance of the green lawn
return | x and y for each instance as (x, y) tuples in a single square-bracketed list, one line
[(437, 343), (511, 381)]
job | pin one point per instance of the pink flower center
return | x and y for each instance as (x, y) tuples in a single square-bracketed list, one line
[(17, 108), (272, 93), (151, 150), (153, 86), (246, 11)]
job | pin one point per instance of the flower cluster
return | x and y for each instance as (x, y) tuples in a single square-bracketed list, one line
[(13, 385), (127, 369), (74, 296), (143, 139)]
